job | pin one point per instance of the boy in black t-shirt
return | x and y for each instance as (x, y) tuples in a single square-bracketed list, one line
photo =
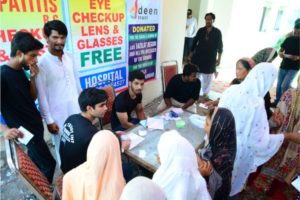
[(290, 65), (17, 100), (78, 129), (182, 90), (127, 101)]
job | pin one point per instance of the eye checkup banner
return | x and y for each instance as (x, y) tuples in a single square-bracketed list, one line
[(107, 38)]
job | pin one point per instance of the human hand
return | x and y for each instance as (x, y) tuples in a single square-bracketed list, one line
[(126, 144), (12, 133), (211, 104), (53, 128), (205, 167), (218, 62), (34, 70)]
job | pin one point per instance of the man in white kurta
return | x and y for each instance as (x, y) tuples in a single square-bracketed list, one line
[(57, 83)]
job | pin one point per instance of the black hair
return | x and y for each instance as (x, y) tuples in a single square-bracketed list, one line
[(245, 64), (190, 11), (297, 24), (24, 42), (189, 69), (55, 25), (136, 75), (91, 97), (213, 16)]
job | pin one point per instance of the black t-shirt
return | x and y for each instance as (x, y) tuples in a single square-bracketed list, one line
[(76, 137), (291, 46), (17, 105), (123, 103), (182, 91)]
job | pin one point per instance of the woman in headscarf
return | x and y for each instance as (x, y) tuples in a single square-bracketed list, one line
[(277, 173), (178, 173), (142, 188), (255, 145), (243, 67), (101, 176), (220, 151)]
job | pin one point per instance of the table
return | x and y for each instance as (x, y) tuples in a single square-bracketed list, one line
[(149, 145)]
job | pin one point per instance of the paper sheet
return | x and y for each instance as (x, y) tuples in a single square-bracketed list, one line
[(155, 123), (27, 136), (296, 183), (135, 140)]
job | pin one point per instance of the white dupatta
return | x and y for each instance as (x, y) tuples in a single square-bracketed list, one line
[(255, 145), (178, 174)]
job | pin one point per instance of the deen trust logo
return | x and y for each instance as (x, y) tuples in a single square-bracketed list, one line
[(142, 12)]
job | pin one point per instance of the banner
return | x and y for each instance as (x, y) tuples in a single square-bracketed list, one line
[(107, 38), (27, 16)]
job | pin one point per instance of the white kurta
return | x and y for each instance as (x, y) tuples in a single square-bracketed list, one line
[(58, 90), (191, 27), (255, 145)]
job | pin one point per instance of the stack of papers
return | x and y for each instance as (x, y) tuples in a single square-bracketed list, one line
[(155, 123), (134, 140)]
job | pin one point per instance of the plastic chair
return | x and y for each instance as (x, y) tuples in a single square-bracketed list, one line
[(109, 88), (24, 168), (168, 70)]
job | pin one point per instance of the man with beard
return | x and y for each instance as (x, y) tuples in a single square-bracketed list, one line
[(127, 101), (17, 100), (57, 83), (206, 45)]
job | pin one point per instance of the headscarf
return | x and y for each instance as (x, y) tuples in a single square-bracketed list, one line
[(178, 173), (255, 145), (142, 188), (264, 55), (286, 162), (101, 176), (222, 142)]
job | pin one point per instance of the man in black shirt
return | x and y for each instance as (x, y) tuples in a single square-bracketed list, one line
[(290, 65), (127, 101), (182, 90), (207, 44), (17, 100), (78, 129)]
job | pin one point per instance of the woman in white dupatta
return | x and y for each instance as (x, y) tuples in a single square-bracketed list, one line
[(255, 145), (142, 188), (178, 174)]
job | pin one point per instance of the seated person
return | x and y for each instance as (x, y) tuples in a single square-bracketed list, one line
[(182, 90), (178, 173), (148, 190), (78, 129), (100, 176), (127, 101), (217, 158)]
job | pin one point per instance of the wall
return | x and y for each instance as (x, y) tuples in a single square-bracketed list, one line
[(172, 40)]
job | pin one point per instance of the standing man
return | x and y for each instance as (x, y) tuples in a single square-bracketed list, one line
[(207, 51), (127, 101), (190, 33), (57, 84), (182, 90), (78, 129), (17, 100), (290, 65)]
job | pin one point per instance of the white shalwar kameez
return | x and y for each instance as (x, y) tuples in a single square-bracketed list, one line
[(58, 90)]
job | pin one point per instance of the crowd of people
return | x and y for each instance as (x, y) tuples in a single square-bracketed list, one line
[(244, 134)]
